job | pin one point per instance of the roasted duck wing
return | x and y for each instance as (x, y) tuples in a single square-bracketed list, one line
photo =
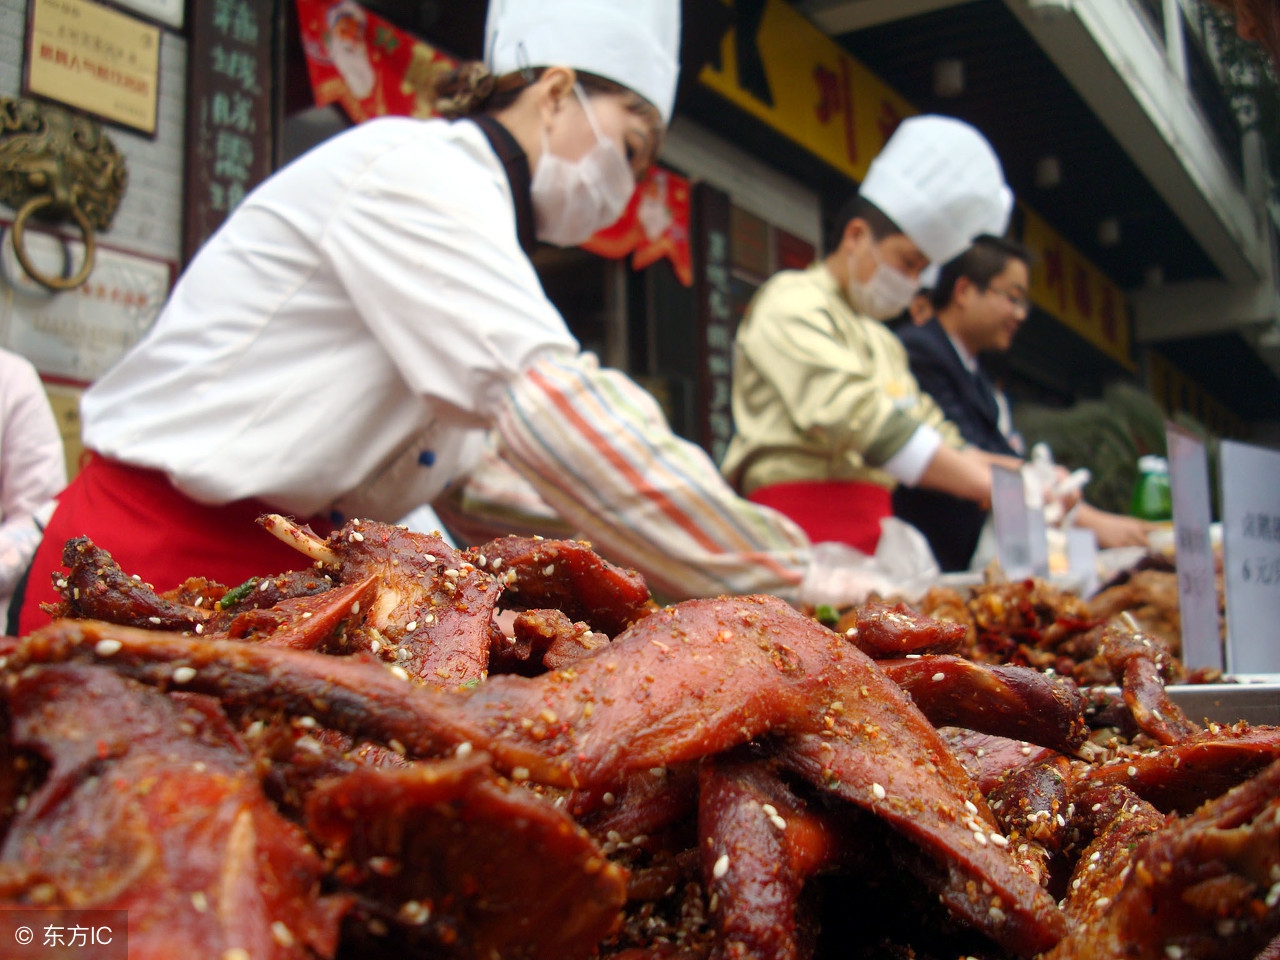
[(152, 805)]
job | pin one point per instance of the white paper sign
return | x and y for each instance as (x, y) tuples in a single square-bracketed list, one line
[(1009, 517), (1197, 592), (1251, 556), (1082, 559), (78, 334), (1038, 541)]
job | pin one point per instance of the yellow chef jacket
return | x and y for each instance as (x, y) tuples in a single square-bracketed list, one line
[(820, 392)]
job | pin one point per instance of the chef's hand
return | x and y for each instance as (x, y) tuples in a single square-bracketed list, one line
[(1113, 529)]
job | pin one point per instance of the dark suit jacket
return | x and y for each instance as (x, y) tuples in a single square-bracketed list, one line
[(952, 525)]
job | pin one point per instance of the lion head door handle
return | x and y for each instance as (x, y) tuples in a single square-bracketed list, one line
[(57, 166)]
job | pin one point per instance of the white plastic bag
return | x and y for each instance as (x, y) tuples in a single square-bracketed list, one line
[(902, 565)]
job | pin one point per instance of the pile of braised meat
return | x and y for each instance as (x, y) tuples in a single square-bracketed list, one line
[(1032, 623), (355, 760)]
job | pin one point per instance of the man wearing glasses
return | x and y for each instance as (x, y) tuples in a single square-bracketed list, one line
[(981, 301)]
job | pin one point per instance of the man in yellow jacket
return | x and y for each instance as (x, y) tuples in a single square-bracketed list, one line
[(828, 417)]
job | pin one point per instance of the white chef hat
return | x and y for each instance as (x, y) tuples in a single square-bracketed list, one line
[(632, 42), (939, 180)]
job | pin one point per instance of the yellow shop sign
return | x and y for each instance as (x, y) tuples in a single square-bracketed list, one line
[(799, 81)]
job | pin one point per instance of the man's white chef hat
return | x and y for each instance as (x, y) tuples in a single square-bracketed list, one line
[(632, 42), (939, 180)]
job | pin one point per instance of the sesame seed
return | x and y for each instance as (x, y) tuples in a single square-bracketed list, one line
[(998, 840), (412, 911), (306, 615), (549, 569), (463, 751), (411, 626), (200, 901), (1132, 771), (397, 746), (519, 773), (156, 620), (403, 654), (996, 915), (778, 822), (107, 648), (355, 608), (969, 805), (452, 574), (913, 656), (769, 810), (137, 576), (281, 934), (375, 645), (609, 799), (236, 953), (1026, 751), (939, 676), (61, 584), (1102, 903), (480, 560), (400, 672), (981, 838), (721, 867), (184, 675), (497, 562), (1173, 952), (878, 791)]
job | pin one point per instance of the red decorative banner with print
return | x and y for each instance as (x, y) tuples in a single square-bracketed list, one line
[(369, 66), (374, 69), (654, 225)]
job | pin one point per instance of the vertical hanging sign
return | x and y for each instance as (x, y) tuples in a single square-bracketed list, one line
[(230, 129), (712, 273)]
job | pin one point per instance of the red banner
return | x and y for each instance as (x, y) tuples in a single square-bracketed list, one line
[(654, 225), (369, 66), (374, 69)]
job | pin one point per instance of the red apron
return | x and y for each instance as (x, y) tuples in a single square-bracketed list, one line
[(845, 511), (155, 531)]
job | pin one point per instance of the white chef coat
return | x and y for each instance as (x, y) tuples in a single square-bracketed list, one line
[(341, 339)]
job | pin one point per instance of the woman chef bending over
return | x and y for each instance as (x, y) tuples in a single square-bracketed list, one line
[(339, 346)]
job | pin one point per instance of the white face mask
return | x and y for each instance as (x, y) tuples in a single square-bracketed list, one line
[(885, 295), (574, 199)]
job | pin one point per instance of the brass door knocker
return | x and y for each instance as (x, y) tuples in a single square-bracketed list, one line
[(56, 165)]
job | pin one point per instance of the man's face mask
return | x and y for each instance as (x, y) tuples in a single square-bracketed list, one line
[(885, 295), (572, 199)]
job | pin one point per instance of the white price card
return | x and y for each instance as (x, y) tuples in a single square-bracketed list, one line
[(1009, 516), (1251, 556), (1197, 591), (1038, 541), (1082, 559)]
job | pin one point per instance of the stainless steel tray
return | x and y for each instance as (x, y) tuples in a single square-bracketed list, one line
[(1257, 703)]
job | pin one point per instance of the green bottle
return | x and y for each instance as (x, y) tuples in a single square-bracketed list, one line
[(1152, 499)]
